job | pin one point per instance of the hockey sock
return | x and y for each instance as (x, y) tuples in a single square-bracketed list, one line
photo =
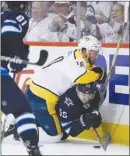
[(27, 129)]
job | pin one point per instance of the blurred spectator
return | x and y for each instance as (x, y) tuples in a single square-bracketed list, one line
[(102, 8), (98, 14), (60, 23), (4, 6), (87, 27), (117, 14), (117, 21), (55, 21), (110, 28), (38, 24), (62, 8)]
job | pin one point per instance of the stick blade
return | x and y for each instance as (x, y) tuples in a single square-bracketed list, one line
[(42, 58), (107, 141)]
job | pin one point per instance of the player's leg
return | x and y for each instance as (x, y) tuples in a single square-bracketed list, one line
[(46, 116), (15, 102)]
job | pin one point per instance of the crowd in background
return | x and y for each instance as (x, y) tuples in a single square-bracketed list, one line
[(56, 21)]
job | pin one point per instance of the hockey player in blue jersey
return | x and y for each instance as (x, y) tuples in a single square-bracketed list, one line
[(14, 25), (78, 109)]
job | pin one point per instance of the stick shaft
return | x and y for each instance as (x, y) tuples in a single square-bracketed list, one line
[(99, 139), (112, 66)]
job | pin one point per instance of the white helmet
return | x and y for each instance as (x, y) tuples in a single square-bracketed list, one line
[(89, 43)]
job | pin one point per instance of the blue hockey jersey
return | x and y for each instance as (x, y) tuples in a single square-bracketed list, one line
[(14, 25), (70, 108)]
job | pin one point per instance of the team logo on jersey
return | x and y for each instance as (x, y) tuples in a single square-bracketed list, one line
[(68, 101)]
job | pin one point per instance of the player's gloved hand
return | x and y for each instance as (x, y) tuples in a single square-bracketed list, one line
[(103, 74), (93, 119), (15, 67)]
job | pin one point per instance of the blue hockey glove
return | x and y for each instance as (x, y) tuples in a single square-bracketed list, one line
[(15, 67), (88, 120)]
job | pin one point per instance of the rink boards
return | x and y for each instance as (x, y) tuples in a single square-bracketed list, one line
[(115, 109)]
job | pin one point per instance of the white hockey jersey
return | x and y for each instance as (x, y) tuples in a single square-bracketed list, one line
[(63, 73)]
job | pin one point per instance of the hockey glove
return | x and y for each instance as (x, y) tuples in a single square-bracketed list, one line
[(14, 67), (93, 119), (103, 75)]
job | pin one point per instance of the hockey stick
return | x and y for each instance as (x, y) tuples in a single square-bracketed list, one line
[(42, 59), (106, 141), (126, 11), (112, 66), (108, 136)]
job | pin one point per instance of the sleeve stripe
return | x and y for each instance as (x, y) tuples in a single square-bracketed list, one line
[(10, 21), (68, 130), (66, 123), (16, 25), (10, 29), (66, 126)]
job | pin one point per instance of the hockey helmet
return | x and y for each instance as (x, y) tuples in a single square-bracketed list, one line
[(87, 88), (90, 43), (86, 92)]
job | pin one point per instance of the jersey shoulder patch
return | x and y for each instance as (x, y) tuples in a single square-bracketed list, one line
[(68, 102)]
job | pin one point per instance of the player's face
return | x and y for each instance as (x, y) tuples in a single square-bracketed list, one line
[(92, 56), (84, 97)]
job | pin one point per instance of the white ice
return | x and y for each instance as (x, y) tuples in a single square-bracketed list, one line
[(70, 147)]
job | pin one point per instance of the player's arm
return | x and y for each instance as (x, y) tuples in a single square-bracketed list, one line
[(93, 74), (12, 35), (85, 122), (96, 74), (72, 122)]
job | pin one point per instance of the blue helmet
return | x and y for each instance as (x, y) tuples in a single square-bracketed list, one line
[(87, 88)]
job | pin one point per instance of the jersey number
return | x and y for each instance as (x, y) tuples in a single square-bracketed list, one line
[(63, 114), (81, 64), (21, 20)]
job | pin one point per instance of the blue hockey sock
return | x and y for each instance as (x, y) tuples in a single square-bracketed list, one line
[(27, 129)]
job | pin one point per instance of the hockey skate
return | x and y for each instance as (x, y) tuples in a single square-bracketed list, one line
[(33, 151), (12, 130)]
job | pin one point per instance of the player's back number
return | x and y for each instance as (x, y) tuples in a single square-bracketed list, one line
[(21, 20)]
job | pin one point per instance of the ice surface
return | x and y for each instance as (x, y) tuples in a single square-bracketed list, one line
[(69, 147)]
